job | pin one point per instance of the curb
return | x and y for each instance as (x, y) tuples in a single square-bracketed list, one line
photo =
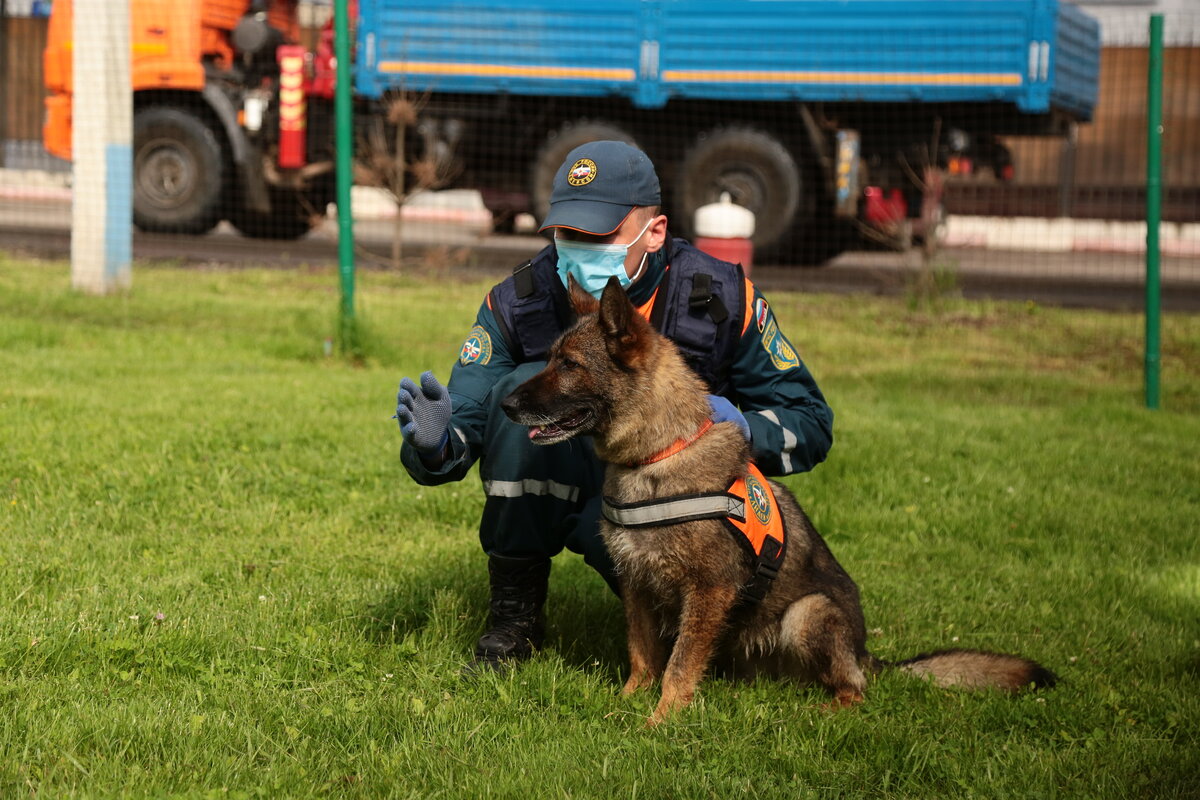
[(1069, 235), (453, 207)]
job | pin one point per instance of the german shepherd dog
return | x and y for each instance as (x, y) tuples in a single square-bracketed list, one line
[(611, 375)]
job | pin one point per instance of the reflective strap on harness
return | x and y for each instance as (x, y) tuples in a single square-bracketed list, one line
[(673, 509)]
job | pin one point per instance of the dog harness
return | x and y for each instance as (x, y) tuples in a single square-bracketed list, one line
[(747, 507)]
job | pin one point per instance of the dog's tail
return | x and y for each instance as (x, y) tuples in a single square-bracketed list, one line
[(978, 669)]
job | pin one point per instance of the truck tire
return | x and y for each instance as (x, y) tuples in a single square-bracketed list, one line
[(757, 171), (178, 171), (556, 147), (293, 214)]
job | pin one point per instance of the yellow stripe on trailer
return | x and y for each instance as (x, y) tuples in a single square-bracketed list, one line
[(863, 78), (508, 70)]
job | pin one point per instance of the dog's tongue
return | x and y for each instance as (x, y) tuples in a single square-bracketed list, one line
[(542, 430), (555, 428)]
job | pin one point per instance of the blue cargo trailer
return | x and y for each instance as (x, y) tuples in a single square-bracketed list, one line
[(806, 111)]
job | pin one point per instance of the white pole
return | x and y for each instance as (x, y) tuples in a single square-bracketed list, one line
[(102, 133)]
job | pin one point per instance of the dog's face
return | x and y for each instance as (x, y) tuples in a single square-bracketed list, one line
[(588, 369)]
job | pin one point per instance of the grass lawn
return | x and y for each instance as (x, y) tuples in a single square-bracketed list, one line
[(216, 580)]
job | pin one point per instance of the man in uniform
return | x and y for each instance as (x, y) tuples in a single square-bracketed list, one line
[(606, 220)]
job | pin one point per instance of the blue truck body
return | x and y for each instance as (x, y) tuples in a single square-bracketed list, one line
[(735, 91), (1037, 55)]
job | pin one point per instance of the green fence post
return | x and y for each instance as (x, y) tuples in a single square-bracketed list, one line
[(344, 141), (1153, 209)]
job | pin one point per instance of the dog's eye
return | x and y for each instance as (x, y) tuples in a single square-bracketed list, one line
[(565, 362)]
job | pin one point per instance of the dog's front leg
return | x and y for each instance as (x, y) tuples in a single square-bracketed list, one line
[(702, 622), (647, 653)]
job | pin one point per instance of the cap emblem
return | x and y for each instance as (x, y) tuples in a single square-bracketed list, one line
[(582, 172)]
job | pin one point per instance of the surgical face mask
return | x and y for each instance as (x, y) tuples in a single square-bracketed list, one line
[(593, 264)]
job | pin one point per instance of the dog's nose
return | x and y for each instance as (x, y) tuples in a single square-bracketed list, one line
[(512, 404)]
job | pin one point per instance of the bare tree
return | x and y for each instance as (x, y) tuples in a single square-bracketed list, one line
[(388, 163)]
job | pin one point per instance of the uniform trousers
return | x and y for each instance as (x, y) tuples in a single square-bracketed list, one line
[(539, 498)]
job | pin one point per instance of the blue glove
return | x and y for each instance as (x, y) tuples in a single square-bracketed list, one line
[(424, 414), (725, 411)]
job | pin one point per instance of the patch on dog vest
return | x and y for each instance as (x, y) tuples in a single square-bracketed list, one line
[(748, 508), (763, 522)]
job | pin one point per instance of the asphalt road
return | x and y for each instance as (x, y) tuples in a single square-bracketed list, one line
[(1097, 280)]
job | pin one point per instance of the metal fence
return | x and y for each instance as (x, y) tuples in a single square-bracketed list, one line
[(1064, 205)]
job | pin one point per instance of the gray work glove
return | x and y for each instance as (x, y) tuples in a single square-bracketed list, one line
[(424, 415)]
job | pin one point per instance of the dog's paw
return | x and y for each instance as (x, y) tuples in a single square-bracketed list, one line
[(843, 700), (635, 684)]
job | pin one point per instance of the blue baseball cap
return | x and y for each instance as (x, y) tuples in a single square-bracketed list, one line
[(597, 186)]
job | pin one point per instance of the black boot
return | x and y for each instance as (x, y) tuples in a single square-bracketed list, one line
[(516, 625)]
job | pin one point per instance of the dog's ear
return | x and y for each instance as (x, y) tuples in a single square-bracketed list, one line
[(615, 309), (619, 322), (581, 301)]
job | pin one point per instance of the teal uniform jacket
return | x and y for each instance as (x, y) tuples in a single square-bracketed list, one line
[(791, 425)]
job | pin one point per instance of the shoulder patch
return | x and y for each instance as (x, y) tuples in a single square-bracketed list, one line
[(782, 354), (761, 312), (477, 349)]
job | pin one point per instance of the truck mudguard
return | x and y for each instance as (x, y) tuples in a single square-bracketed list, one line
[(245, 155)]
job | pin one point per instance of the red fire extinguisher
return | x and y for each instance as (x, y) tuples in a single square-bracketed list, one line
[(724, 229)]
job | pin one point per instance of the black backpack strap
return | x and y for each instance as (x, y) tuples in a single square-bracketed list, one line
[(523, 279), (501, 300), (498, 313), (531, 307), (703, 299)]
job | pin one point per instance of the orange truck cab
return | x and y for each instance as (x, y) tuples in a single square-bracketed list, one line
[(227, 124)]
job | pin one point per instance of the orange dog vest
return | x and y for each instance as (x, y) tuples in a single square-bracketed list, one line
[(748, 508)]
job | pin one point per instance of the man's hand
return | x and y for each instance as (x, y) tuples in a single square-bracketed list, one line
[(424, 415), (725, 411)]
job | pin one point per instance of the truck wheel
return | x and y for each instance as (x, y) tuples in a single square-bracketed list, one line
[(552, 152), (292, 215), (756, 170), (178, 171)]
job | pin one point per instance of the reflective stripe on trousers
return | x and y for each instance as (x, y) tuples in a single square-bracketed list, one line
[(496, 488)]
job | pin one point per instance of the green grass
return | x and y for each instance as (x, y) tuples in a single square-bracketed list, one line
[(216, 580)]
